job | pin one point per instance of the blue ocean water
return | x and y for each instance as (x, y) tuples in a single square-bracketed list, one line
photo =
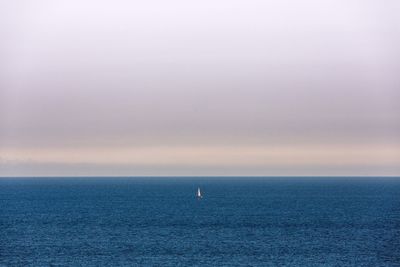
[(239, 222)]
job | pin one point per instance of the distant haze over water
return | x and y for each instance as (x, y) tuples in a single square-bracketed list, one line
[(199, 88)]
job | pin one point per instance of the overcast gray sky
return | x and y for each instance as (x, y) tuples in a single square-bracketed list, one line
[(200, 87)]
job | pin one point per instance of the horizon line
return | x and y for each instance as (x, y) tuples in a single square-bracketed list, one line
[(204, 176)]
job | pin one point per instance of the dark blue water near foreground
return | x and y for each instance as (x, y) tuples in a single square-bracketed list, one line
[(239, 222)]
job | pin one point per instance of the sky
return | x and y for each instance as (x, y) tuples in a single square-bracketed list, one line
[(194, 88)]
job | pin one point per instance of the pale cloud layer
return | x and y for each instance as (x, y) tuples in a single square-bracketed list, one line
[(199, 87)]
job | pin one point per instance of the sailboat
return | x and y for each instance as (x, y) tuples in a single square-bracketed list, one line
[(199, 193)]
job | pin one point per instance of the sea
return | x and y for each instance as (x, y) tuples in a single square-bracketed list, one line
[(239, 221)]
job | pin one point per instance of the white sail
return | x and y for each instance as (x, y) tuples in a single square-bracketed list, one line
[(199, 193)]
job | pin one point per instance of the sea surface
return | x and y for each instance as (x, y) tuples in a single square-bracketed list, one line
[(242, 221)]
